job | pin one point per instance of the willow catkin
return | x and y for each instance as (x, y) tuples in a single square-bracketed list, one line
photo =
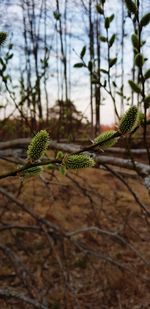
[(106, 139), (38, 145), (78, 161), (128, 121), (32, 171)]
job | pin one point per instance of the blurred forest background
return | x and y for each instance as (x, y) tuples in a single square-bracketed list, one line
[(45, 41), (75, 239)]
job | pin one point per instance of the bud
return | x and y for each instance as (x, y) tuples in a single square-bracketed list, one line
[(139, 60), (99, 9), (131, 6), (3, 37), (78, 161), (128, 121), (103, 137), (38, 145), (135, 41)]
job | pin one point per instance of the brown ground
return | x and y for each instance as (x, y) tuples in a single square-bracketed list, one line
[(90, 270)]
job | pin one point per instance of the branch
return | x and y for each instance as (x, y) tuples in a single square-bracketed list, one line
[(112, 235), (142, 168), (10, 293)]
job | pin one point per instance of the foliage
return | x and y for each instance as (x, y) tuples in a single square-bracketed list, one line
[(47, 237)]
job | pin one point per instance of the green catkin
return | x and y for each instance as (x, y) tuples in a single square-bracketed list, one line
[(38, 145), (32, 171), (139, 120), (104, 136), (129, 120), (78, 161)]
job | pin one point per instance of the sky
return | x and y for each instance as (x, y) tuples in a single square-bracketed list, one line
[(77, 26)]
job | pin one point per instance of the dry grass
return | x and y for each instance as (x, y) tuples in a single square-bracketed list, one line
[(60, 272)]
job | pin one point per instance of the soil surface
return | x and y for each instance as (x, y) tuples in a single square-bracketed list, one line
[(102, 262)]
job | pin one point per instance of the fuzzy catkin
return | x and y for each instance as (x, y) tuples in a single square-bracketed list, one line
[(78, 161), (102, 139), (129, 120), (32, 171), (38, 145)]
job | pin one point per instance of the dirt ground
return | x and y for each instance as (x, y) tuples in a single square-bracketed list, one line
[(107, 267)]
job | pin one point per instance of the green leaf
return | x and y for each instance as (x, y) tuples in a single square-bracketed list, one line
[(111, 18), (94, 81), (105, 83), (143, 42), (1, 61), (104, 71), (5, 78), (60, 155), (63, 170), (83, 51), (145, 20), (134, 86), (147, 101), (57, 15), (114, 84), (99, 9), (139, 60), (131, 6), (120, 94), (147, 74), (51, 166), (90, 66), (10, 46), (107, 22), (140, 118), (135, 40), (3, 37), (103, 38), (9, 56), (135, 51), (112, 40), (78, 65), (112, 62)]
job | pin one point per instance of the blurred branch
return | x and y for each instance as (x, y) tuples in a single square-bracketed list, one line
[(10, 293)]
